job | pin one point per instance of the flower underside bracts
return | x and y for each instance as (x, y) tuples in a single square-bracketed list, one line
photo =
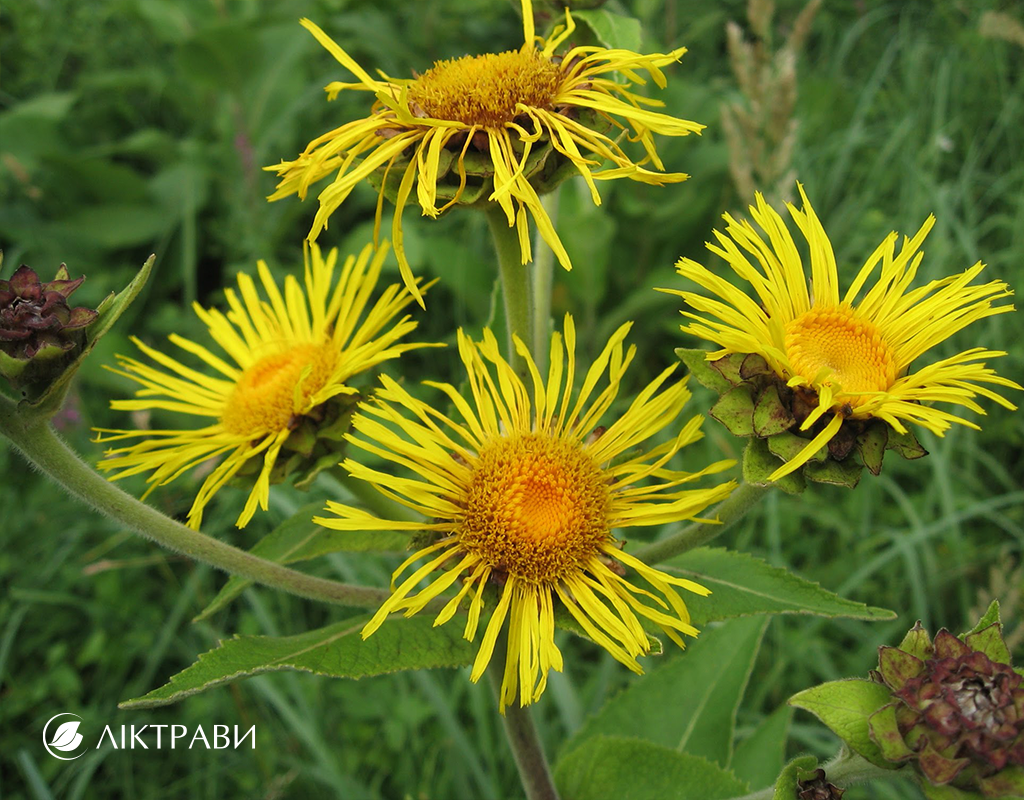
[(496, 128), (38, 329), (814, 375), (521, 489), (282, 398), (957, 710)]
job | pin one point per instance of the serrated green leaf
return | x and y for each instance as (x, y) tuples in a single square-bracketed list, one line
[(337, 651), (771, 417), (837, 473), (613, 31), (298, 538), (844, 706), (688, 703), (735, 410), (741, 585), (632, 769), (759, 464), (700, 368), (759, 758), (786, 784)]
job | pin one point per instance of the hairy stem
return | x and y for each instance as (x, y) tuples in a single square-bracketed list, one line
[(522, 734), (515, 284), (732, 509), (43, 448)]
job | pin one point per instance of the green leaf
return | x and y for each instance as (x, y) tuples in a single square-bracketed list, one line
[(792, 773), (771, 417), (759, 758), (741, 584), (631, 769), (298, 538), (702, 371), (844, 706), (735, 410), (614, 31), (759, 464), (690, 702), (337, 651)]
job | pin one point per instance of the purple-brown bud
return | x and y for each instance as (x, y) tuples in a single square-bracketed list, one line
[(37, 326), (957, 710)]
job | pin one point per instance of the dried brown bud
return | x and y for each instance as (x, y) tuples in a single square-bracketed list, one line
[(818, 788)]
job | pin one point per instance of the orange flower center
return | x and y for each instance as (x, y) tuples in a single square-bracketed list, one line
[(276, 388), (537, 507), (485, 90), (851, 350)]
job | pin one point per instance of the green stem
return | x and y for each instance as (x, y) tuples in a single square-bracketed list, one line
[(743, 498), (515, 284), (521, 734), (844, 770), (543, 279), (43, 448)]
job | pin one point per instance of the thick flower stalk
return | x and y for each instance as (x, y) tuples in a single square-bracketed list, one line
[(508, 118), (957, 710), (288, 356), (843, 359), (521, 492)]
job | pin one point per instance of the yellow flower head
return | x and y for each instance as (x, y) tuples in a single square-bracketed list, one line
[(523, 491), (850, 356), (287, 355), (504, 104)]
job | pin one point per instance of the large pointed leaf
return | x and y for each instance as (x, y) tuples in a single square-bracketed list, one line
[(741, 584), (298, 538), (759, 758), (337, 651), (618, 767), (689, 703)]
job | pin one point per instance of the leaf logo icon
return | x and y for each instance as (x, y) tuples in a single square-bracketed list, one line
[(67, 736)]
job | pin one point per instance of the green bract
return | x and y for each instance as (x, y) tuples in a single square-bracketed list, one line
[(756, 404)]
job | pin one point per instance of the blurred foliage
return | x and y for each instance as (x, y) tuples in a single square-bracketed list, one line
[(136, 126)]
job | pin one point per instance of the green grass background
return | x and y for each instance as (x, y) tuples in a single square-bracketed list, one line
[(137, 126)]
